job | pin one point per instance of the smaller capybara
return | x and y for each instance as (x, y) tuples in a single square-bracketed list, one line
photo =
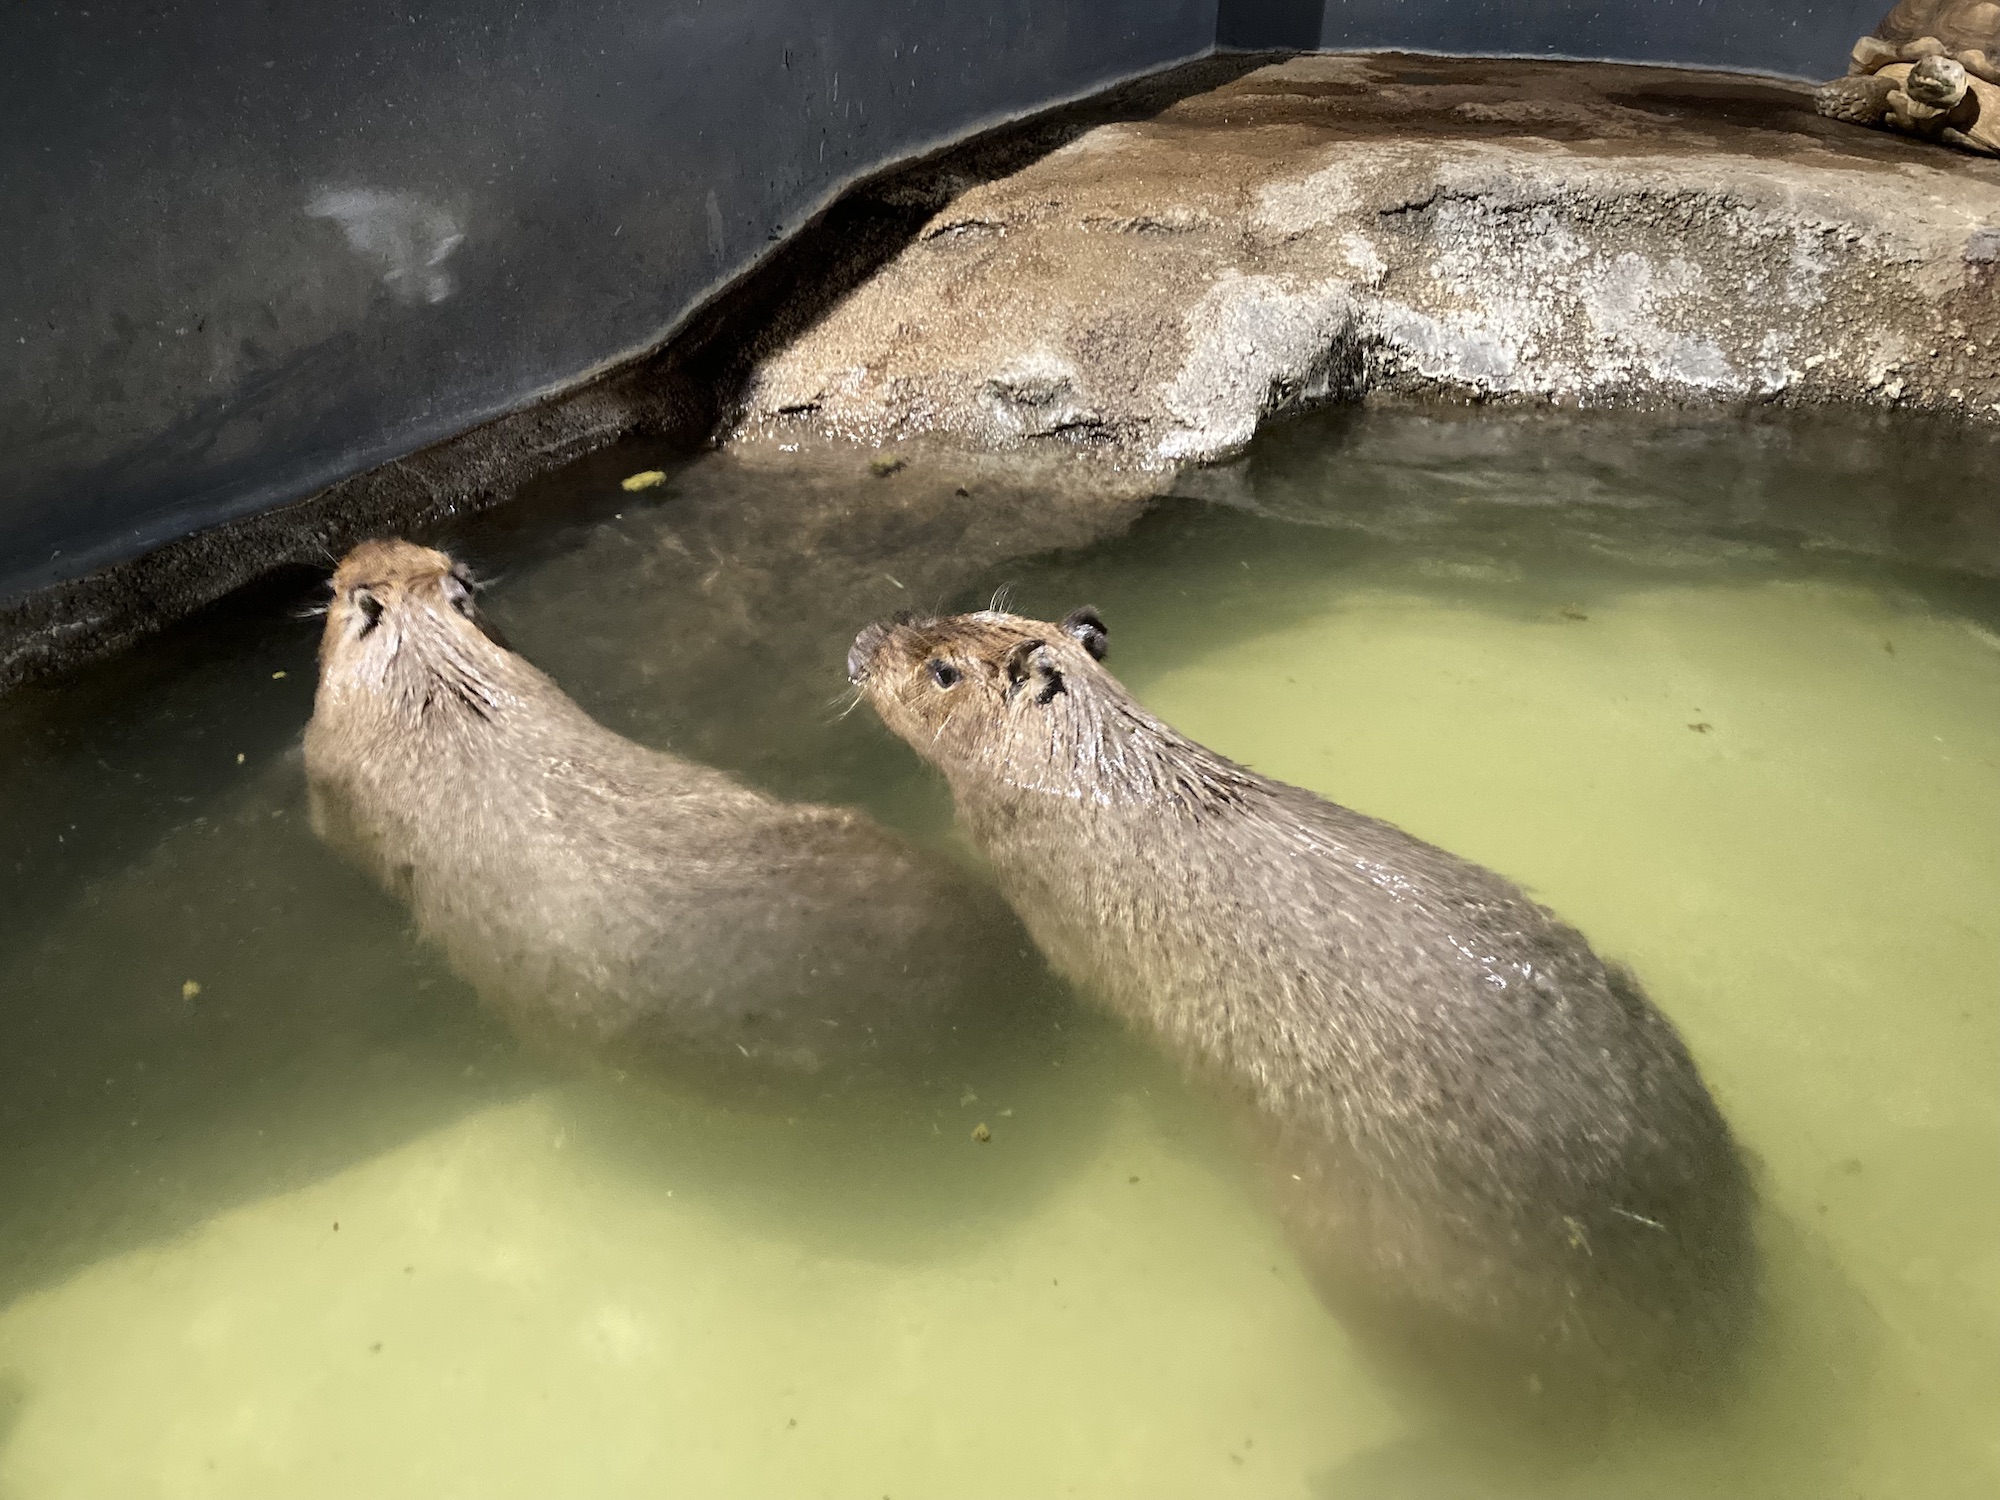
[(1481, 1133), (612, 901)]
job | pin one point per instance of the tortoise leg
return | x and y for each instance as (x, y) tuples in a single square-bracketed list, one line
[(1966, 142), (1859, 101)]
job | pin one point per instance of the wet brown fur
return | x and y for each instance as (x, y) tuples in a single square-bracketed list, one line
[(611, 900), (1479, 1131)]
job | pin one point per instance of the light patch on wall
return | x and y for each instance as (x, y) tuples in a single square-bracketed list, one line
[(718, 242), (408, 238)]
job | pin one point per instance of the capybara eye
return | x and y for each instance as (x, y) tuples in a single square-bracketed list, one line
[(458, 589), (370, 607), (944, 674)]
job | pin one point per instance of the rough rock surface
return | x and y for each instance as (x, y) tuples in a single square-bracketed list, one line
[(1332, 226)]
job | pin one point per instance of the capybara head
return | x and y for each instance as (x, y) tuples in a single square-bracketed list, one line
[(992, 694), (402, 620)]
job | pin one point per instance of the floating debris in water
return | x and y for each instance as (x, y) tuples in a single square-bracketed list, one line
[(882, 468), (1571, 612), (645, 479), (981, 1133), (1701, 728), (190, 988)]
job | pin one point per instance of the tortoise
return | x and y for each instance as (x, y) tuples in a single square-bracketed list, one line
[(1927, 71)]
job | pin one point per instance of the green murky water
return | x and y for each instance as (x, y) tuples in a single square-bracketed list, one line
[(282, 1212)]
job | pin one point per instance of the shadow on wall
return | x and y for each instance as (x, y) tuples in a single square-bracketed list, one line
[(1803, 38)]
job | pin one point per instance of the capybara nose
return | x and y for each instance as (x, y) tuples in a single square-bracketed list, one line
[(862, 652)]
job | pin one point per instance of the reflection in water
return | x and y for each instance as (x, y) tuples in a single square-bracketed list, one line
[(1500, 633)]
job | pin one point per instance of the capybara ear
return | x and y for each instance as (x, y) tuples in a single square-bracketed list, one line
[(1086, 627), (458, 591), (1029, 665)]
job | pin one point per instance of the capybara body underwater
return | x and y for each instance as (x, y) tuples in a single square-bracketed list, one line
[(615, 902), (1473, 1124)]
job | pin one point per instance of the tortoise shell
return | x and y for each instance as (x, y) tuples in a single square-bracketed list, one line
[(1962, 25)]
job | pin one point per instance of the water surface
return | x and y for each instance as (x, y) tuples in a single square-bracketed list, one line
[(283, 1212)]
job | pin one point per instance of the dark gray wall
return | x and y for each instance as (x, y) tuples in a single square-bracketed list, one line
[(1805, 38), (252, 246)]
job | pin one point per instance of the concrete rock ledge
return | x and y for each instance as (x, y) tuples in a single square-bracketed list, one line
[(1334, 226)]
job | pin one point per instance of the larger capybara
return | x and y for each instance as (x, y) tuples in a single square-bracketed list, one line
[(613, 901), (1479, 1130)]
